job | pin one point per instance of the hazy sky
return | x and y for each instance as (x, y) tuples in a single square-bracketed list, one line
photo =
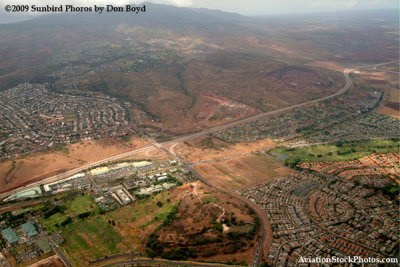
[(245, 7)]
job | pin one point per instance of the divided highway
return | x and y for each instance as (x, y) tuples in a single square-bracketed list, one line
[(258, 255), (185, 138)]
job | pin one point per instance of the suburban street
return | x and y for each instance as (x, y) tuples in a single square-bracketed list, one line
[(265, 227)]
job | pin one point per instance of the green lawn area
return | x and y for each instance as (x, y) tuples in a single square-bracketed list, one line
[(338, 151), (73, 208), (92, 238), (95, 237), (80, 204), (106, 234), (70, 117), (50, 222), (159, 215), (144, 207)]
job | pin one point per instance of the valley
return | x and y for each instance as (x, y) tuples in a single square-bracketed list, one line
[(196, 137)]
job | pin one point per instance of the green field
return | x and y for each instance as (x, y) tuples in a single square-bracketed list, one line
[(159, 215), (70, 117), (81, 204), (73, 208), (92, 238), (106, 234), (50, 222), (144, 207), (337, 151)]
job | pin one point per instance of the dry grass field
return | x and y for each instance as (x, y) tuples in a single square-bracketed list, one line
[(53, 261), (195, 227), (389, 111), (209, 148), (391, 107), (41, 165), (238, 173)]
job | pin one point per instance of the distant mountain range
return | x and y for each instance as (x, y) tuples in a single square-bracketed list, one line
[(155, 15), (6, 18), (172, 61)]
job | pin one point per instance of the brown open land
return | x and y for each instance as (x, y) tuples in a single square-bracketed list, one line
[(393, 95), (41, 165), (211, 110), (326, 65), (210, 148), (152, 154), (214, 89), (373, 77), (388, 82), (239, 173), (210, 225), (389, 111), (390, 107), (178, 111), (257, 82), (53, 261)]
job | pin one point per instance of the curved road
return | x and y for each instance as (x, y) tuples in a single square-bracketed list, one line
[(264, 224), (185, 138), (265, 235)]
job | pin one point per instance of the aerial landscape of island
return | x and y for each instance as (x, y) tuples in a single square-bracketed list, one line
[(194, 133)]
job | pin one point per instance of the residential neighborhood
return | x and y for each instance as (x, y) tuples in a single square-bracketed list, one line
[(185, 133), (326, 216), (32, 118), (320, 118), (369, 167)]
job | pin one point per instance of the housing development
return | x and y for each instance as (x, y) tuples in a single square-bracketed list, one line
[(193, 137), (35, 119), (312, 216)]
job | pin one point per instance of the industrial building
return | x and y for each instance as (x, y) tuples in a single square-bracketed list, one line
[(29, 229), (43, 245), (10, 235), (121, 195)]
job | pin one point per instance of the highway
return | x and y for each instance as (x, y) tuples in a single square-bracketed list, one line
[(77, 170), (261, 217), (375, 66), (265, 114), (184, 138), (154, 145), (265, 234)]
